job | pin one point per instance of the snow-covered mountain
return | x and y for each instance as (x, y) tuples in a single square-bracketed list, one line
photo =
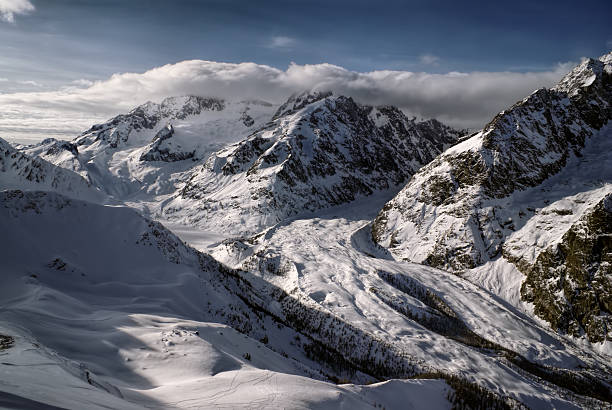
[(320, 150), (522, 190), (314, 151), (22, 171), (294, 300), (141, 155)]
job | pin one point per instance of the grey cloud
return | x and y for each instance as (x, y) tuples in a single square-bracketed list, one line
[(82, 83), (30, 82)]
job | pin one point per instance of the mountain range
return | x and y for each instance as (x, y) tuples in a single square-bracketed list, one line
[(318, 253)]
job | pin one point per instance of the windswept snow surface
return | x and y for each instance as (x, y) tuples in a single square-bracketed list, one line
[(110, 310)]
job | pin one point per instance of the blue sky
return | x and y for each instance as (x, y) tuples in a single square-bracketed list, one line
[(64, 40)]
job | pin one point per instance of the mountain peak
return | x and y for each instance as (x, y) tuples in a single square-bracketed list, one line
[(323, 151), (5, 145), (588, 73), (149, 116), (181, 107), (606, 58), (300, 100), (519, 149)]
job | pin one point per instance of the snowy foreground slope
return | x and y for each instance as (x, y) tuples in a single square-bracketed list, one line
[(100, 299), (109, 310), (441, 320), (524, 203)]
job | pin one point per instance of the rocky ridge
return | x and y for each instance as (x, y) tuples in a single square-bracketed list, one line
[(19, 170), (320, 151), (474, 203)]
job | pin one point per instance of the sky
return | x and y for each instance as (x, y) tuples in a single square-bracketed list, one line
[(67, 63)]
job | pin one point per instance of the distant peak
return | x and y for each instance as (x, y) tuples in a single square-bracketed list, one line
[(310, 95), (300, 100), (180, 106), (588, 72), (148, 107), (606, 58), (190, 104), (189, 100), (5, 145)]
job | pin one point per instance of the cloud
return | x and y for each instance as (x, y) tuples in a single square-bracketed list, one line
[(2, 79), (30, 82), (82, 82), (281, 42), (429, 59), (8, 9), (458, 99)]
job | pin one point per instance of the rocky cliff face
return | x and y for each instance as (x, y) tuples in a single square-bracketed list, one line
[(320, 151), (163, 149), (570, 283), (513, 189)]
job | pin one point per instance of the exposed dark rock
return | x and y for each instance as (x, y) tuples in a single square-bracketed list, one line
[(57, 147), (6, 342), (160, 150), (579, 268)]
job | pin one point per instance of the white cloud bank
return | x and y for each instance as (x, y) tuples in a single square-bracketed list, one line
[(8, 9), (459, 99)]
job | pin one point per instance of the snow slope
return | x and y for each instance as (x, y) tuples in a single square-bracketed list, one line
[(108, 309), (150, 326), (329, 261)]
